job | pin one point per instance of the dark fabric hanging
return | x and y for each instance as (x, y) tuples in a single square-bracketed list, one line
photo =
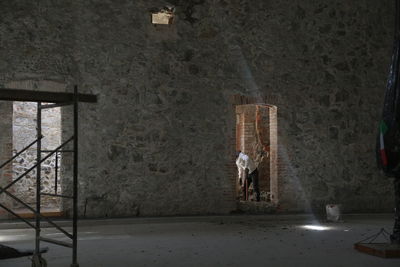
[(388, 141)]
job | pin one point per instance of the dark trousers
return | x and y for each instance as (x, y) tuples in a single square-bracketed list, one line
[(252, 178), (395, 237)]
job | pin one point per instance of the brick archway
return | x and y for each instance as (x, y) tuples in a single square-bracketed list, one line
[(247, 112)]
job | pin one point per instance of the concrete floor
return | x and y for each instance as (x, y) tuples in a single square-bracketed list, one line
[(264, 240)]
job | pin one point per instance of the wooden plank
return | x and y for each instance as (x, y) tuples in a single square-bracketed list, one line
[(42, 96), (384, 250), (48, 212)]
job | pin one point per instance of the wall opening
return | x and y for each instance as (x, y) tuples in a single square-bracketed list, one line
[(24, 132), (256, 136)]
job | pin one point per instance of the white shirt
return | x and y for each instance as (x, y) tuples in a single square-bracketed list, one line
[(244, 162)]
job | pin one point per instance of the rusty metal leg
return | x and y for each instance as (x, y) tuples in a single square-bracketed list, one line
[(56, 175), (38, 177), (75, 185), (246, 186), (395, 237)]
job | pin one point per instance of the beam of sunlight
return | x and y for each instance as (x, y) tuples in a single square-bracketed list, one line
[(316, 227), (295, 181), (7, 238), (292, 178), (244, 70)]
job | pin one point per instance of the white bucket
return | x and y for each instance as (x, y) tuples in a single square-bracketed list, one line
[(333, 212)]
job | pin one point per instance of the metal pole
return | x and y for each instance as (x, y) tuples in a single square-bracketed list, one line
[(395, 236), (38, 176), (75, 183), (246, 197), (41, 216), (20, 152), (34, 166), (56, 179)]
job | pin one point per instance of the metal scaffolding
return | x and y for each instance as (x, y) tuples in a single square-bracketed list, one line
[(57, 100)]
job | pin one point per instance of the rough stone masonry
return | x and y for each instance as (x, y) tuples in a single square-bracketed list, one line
[(24, 132), (158, 142)]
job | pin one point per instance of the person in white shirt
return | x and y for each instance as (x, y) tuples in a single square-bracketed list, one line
[(247, 172)]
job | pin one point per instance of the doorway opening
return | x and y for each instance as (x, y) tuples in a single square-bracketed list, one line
[(23, 133), (257, 137)]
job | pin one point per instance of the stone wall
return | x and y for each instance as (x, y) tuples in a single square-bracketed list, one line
[(24, 132), (5, 151), (159, 141)]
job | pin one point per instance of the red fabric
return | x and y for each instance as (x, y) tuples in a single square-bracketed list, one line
[(383, 157)]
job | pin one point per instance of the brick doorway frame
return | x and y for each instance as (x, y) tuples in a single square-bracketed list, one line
[(237, 100)]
